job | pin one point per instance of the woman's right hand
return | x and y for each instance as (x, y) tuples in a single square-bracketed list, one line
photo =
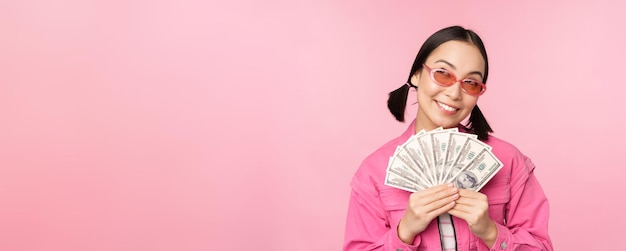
[(423, 207)]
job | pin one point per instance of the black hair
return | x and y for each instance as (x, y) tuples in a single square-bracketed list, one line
[(396, 103)]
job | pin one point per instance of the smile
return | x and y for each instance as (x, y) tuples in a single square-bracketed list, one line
[(446, 107)]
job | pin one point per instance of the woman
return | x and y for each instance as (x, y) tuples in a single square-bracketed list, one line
[(509, 213)]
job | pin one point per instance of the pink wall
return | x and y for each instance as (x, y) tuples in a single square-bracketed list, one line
[(186, 125)]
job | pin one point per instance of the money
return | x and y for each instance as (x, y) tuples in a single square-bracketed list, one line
[(413, 148), (440, 156), (425, 144), (440, 141), (468, 151), (478, 172), (405, 158), (397, 181), (399, 167), (455, 144)]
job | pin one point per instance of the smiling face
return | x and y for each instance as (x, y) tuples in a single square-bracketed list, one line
[(447, 106)]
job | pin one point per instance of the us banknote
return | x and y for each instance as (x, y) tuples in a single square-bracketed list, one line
[(440, 156)]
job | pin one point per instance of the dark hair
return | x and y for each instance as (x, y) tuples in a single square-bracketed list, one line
[(396, 103)]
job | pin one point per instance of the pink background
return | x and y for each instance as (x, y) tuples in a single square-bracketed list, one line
[(187, 125)]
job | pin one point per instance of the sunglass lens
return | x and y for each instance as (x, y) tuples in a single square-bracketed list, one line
[(443, 78), (473, 88)]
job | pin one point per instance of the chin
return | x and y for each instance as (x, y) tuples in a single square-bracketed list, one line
[(449, 124)]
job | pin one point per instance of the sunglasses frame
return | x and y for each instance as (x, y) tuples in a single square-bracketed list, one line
[(463, 84)]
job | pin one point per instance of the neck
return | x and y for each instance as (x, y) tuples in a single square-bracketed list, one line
[(423, 123), (419, 127), (428, 126)]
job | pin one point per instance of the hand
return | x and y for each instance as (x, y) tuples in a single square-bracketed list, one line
[(423, 207), (473, 208)]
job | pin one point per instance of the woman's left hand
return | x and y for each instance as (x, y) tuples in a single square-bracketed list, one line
[(473, 208)]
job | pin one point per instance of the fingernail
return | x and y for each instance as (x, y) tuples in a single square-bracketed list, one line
[(450, 185)]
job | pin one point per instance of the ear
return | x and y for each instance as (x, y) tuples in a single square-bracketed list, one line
[(415, 78)]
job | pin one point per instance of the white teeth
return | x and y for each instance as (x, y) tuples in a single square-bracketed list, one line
[(446, 107)]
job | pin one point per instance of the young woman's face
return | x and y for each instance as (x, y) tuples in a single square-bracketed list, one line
[(447, 106)]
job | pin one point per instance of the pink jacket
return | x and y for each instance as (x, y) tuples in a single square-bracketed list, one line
[(516, 203)]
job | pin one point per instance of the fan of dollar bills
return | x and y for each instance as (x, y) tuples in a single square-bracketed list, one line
[(440, 156)]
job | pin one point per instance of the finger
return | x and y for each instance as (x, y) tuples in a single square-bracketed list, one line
[(458, 213), (445, 208), (471, 194), (433, 194), (439, 189), (475, 204), (441, 205), (441, 197), (464, 208), (432, 202), (465, 201), (480, 202)]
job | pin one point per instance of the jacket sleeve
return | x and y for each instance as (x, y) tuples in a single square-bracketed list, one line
[(367, 227), (527, 213)]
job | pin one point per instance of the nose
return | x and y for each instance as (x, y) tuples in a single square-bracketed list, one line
[(454, 91)]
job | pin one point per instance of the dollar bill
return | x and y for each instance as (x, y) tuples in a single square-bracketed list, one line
[(404, 167), (455, 143), (478, 172), (468, 151), (426, 147), (440, 140), (439, 156), (412, 147), (397, 181)]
